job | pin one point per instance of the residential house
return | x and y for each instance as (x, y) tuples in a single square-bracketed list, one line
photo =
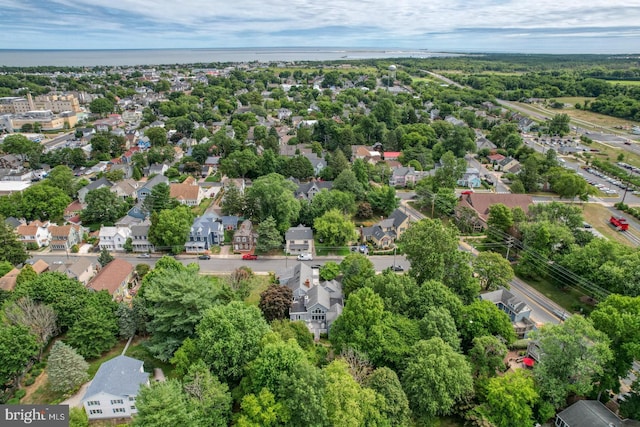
[(99, 183), (315, 303), (590, 413), (35, 232), (245, 238), (72, 210), (114, 278), (479, 204), (470, 179), (455, 121), (140, 237), (125, 188), (113, 239), (299, 240), (157, 169), (403, 176), (508, 164), (496, 158), (82, 269), (113, 390), (205, 232), (40, 266), (308, 190), (125, 168), (239, 183), (146, 188), (365, 153), (391, 155), (318, 163), (8, 281), (482, 143), (188, 193), (64, 237), (230, 222), (213, 162), (386, 232), (517, 310)]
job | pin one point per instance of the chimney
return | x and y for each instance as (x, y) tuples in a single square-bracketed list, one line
[(307, 284)]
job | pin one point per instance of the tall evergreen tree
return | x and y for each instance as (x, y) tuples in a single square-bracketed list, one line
[(66, 369)]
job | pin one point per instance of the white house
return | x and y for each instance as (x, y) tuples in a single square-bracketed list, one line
[(114, 238), (113, 391)]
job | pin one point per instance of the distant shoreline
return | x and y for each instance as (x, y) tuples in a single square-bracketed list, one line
[(138, 57)]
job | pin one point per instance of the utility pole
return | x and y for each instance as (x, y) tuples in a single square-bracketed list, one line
[(509, 245)]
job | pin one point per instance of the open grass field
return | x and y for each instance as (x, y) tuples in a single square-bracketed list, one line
[(598, 216), (258, 285), (574, 99), (624, 82), (567, 298)]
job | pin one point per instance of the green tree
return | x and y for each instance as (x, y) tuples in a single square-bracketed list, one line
[(436, 378), (335, 229), (170, 228), (17, 348), (105, 257), (573, 356), (260, 410), (275, 302), (94, 332), (299, 167), (78, 417), (159, 199), (500, 217), (162, 404), (157, 136), (126, 320), (450, 171), (325, 200), (429, 245), (272, 195), (175, 301), (493, 270), (568, 184), (483, 318), (559, 125), (330, 270), (385, 383), (43, 202), (356, 269), (348, 403), (27, 273), (617, 316), (530, 174), (487, 355), (209, 399), (233, 202), (438, 322), (510, 399), (25, 148), (103, 207), (101, 106), (62, 177), (347, 182), (239, 163), (383, 200), (269, 238), (66, 369), (13, 251), (228, 337)]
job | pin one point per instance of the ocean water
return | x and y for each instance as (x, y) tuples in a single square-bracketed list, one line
[(124, 57)]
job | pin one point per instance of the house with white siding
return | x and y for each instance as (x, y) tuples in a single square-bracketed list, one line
[(113, 391)]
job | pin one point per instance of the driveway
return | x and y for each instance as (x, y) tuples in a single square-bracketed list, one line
[(75, 401)]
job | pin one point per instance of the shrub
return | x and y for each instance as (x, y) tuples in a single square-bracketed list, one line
[(31, 246), (20, 394), (75, 249), (29, 381), (13, 401)]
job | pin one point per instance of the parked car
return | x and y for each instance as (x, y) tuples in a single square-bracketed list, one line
[(204, 257), (249, 256), (316, 266), (305, 257), (144, 256), (397, 268)]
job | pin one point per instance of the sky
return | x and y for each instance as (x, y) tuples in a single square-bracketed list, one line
[(542, 26)]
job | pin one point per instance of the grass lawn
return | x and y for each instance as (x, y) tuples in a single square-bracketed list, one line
[(322, 250), (574, 99), (202, 207), (598, 216), (568, 298), (625, 82), (258, 285), (114, 352)]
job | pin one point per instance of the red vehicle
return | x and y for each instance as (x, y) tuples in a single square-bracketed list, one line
[(620, 224), (249, 256)]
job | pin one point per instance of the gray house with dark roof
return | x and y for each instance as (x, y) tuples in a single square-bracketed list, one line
[(205, 232), (315, 303), (140, 237), (145, 190), (299, 240), (386, 232), (308, 190), (517, 310), (113, 391), (99, 183), (590, 413)]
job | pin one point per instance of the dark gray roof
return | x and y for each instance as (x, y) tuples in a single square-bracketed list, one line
[(398, 217), (155, 181), (318, 185), (589, 413), (507, 299), (299, 233), (102, 182), (318, 295), (120, 376), (12, 222)]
